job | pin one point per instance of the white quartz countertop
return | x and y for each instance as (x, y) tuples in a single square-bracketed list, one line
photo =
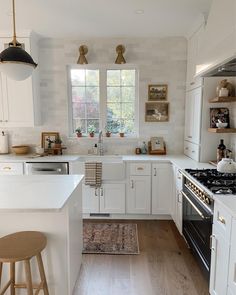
[(36, 192), (33, 158)]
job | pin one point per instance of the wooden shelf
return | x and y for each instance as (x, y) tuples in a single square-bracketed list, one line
[(223, 99), (222, 130)]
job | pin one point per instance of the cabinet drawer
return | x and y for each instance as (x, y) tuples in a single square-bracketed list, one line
[(140, 169), (11, 168), (191, 150), (222, 221)]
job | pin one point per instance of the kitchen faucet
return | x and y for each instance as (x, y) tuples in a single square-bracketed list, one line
[(100, 144)]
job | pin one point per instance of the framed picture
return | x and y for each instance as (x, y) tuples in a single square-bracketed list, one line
[(157, 112), (157, 92), (221, 114), (48, 139)]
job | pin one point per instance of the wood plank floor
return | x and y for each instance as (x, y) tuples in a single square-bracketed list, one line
[(165, 266)]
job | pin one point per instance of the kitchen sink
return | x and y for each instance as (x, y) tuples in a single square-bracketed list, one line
[(103, 159), (113, 167)]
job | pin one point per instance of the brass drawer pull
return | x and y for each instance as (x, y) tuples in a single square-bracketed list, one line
[(7, 168), (140, 168), (221, 219)]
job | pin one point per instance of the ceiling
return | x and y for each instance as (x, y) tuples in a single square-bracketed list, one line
[(104, 18)]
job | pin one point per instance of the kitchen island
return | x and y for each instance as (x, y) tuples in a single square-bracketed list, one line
[(51, 204)]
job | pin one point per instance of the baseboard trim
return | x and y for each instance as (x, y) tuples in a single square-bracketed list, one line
[(130, 216)]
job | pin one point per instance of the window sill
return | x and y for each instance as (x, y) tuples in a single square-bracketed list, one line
[(104, 138)]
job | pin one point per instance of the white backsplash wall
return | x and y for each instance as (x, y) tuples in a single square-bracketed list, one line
[(160, 60)]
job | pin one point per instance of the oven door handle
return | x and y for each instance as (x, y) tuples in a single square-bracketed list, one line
[(194, 206)]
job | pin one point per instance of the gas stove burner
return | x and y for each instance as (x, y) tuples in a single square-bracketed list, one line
[(221, 191), (217, 182)]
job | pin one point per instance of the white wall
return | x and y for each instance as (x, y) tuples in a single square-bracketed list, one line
[(160, 60)]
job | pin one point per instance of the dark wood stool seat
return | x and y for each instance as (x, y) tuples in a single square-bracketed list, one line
[(22, 246)]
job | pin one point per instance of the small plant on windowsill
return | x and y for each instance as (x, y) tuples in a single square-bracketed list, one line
[(91, 130), (122, 129), (58, 142), (108, 130), (78, 132)]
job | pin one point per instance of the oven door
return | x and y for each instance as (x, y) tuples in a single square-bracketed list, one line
[(197, 229)]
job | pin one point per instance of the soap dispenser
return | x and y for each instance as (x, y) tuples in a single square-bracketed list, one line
[(144, 148)]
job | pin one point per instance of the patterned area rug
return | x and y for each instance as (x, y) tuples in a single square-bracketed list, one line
[(110, 238)]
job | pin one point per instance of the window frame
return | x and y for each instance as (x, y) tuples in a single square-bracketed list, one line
[(103, 95)]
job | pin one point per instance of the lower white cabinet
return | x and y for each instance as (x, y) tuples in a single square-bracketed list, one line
[(232, 262), (139, 194), (109, 198), (11, 168), (219, 264), (112, 198), (162, 188), (220, 249), (177, 198)]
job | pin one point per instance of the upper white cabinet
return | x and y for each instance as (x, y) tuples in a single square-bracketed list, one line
[(161, 188), (194, 43), (19, 101), (193, 110)]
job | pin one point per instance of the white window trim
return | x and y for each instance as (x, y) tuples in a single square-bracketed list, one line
[(103, 95)]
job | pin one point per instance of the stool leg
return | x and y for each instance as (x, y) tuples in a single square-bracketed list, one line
[(29, 284), (42, 274), (0, 273), (12, 277)]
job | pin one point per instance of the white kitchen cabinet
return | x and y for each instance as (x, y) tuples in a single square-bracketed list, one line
[(192, 59), (139, 194), (177, 199), (19, 101), (219, 264), (161, 188), (232, 262), (109, 198), (138, 197), (90, 199), (220, 250), (112, 198), (193, 110), (11, 168)]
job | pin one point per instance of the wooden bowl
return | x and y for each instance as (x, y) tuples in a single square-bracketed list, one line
[(20, 149)]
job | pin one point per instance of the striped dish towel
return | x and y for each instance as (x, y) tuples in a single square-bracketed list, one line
[(93, 174)]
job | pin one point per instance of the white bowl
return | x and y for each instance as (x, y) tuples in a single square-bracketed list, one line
[(221, 125)]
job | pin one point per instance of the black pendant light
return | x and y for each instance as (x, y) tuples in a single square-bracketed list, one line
[(15, 62)]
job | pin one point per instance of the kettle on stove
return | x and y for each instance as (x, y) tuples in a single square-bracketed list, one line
[(226, 165)]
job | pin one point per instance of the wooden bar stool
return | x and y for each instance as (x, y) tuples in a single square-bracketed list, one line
[(22, 246)]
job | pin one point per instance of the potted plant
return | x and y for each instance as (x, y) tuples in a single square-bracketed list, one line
[(78, 132), (91, 130), (108, 130), (57, 142), (122, 129)]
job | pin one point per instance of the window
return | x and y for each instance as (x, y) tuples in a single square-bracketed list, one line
[(105, 98), (85, 98)]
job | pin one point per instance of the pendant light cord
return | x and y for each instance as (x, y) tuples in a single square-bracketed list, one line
[(14, 24)]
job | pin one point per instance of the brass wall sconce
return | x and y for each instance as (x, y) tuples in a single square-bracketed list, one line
[(83, 50), (120, 50)]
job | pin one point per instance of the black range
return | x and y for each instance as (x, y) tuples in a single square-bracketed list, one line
[(216, 182)]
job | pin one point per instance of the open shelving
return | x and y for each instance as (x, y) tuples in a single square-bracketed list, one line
[(223, 99), (222, 130)]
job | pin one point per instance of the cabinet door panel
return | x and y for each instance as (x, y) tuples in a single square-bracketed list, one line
[(219, 264), (139, 195), (90, 199), (112, 198), (232, 261), (1, 101), (18, 103), (161, 189)]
